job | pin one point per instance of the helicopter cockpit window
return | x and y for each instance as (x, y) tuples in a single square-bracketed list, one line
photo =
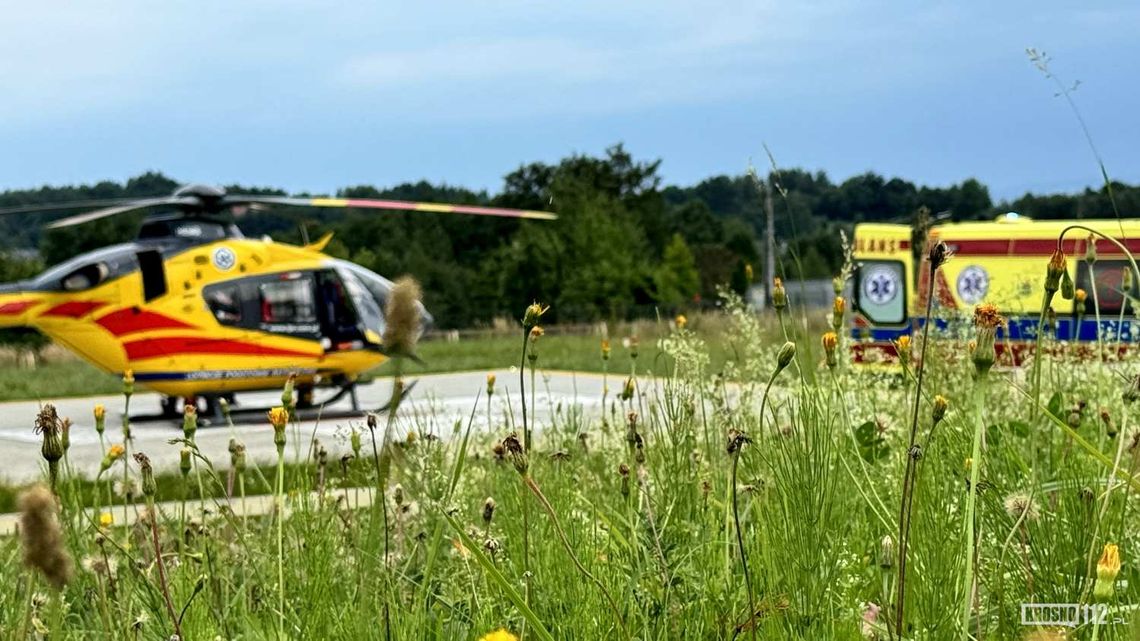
[(85, 277), (288, 305)]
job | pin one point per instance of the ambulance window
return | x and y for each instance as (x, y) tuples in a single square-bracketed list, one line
[(288, 305), (881, 291), (1109, 284)]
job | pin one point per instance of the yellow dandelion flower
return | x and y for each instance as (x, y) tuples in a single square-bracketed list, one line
[(106, 519)]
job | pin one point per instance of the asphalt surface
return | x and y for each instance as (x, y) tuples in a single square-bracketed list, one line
[(435, 404)]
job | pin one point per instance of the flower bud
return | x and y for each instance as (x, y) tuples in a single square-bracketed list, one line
[(748, 276), (128, 383), (838, 308), (100, 418), (488, 510), (189, 421), (149, 487), (887, 553), (938, 410), (785, 356), (1054, 271), (623, 473), (278, 418), (939, 252), (354, 440), (516, 453), (184, 463), (634, 344), (533, 315), (490, 384), (605, 349), (1067, 288), (830, 343), (113, 454), (680, 321), (1106, 570), (627, 390), (287, 392), (837, 284), (1090, 249), (779, 295)]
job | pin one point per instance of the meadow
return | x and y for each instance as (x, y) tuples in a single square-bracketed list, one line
[(745, 483)]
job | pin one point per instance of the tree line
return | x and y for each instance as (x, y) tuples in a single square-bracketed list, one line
[(624, 244)]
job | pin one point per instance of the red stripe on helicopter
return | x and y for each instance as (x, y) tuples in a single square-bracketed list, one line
[(156, 347), (74, 309), (1039, 247), (16, 307), (130, 320)]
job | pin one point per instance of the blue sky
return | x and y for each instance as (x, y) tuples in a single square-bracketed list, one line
[(318, 94)]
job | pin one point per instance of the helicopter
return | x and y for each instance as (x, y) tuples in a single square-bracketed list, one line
[(198, 312)]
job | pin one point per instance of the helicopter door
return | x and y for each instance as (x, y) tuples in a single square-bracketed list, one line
[(340, 326), (153, 274)]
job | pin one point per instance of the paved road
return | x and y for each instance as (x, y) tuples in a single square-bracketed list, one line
[(437, 400)]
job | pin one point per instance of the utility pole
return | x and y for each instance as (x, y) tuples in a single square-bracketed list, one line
[(770, 241)]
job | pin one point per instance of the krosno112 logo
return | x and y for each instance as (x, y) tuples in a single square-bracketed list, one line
[(1069, 615)]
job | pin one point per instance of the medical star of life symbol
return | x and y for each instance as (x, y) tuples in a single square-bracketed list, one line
[(881, 286)]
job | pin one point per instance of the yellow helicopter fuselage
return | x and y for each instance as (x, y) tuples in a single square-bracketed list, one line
[(169, 321)]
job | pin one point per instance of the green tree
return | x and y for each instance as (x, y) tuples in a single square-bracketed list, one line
[(676, 281)]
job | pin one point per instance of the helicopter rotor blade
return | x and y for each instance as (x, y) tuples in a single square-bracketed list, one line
[(394, 205), (62, 206), (106, 212)]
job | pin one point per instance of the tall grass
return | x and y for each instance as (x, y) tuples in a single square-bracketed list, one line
[(659, 550)]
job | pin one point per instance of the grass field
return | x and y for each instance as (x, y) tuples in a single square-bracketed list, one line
[(742, 500)]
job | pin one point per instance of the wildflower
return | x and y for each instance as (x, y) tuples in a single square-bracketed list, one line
[(237, 457), (938, 411), (779, 295), (887, 552), (65, 434), (1067, 291), (224, 405), (830, 342), (1106, 570), (838, 308), (48, 426), (533, 315), (939, 254), (605, 349), (100, 418), (106, 519), (128, 383), (623, 474), (627, 390), (536, 333), (680, 321), (986, 322), (490, 384), (634, 343), (402, 318), (189, 421), (837, 284), (184, 461), (870, 621), (516, 453), (42, 538), (1109, 424), (149, 487), (736, 442), (1090, 249), (1020, 505), (902, 348), (784, 356), (488, 510), (1053, 273), (499, 635), (287, 392), (748, 272), (278, 418)]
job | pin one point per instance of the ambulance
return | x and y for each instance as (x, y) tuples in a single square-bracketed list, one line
[(1001, 262)]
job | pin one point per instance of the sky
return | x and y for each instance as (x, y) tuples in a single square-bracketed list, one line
[(314, 95)]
